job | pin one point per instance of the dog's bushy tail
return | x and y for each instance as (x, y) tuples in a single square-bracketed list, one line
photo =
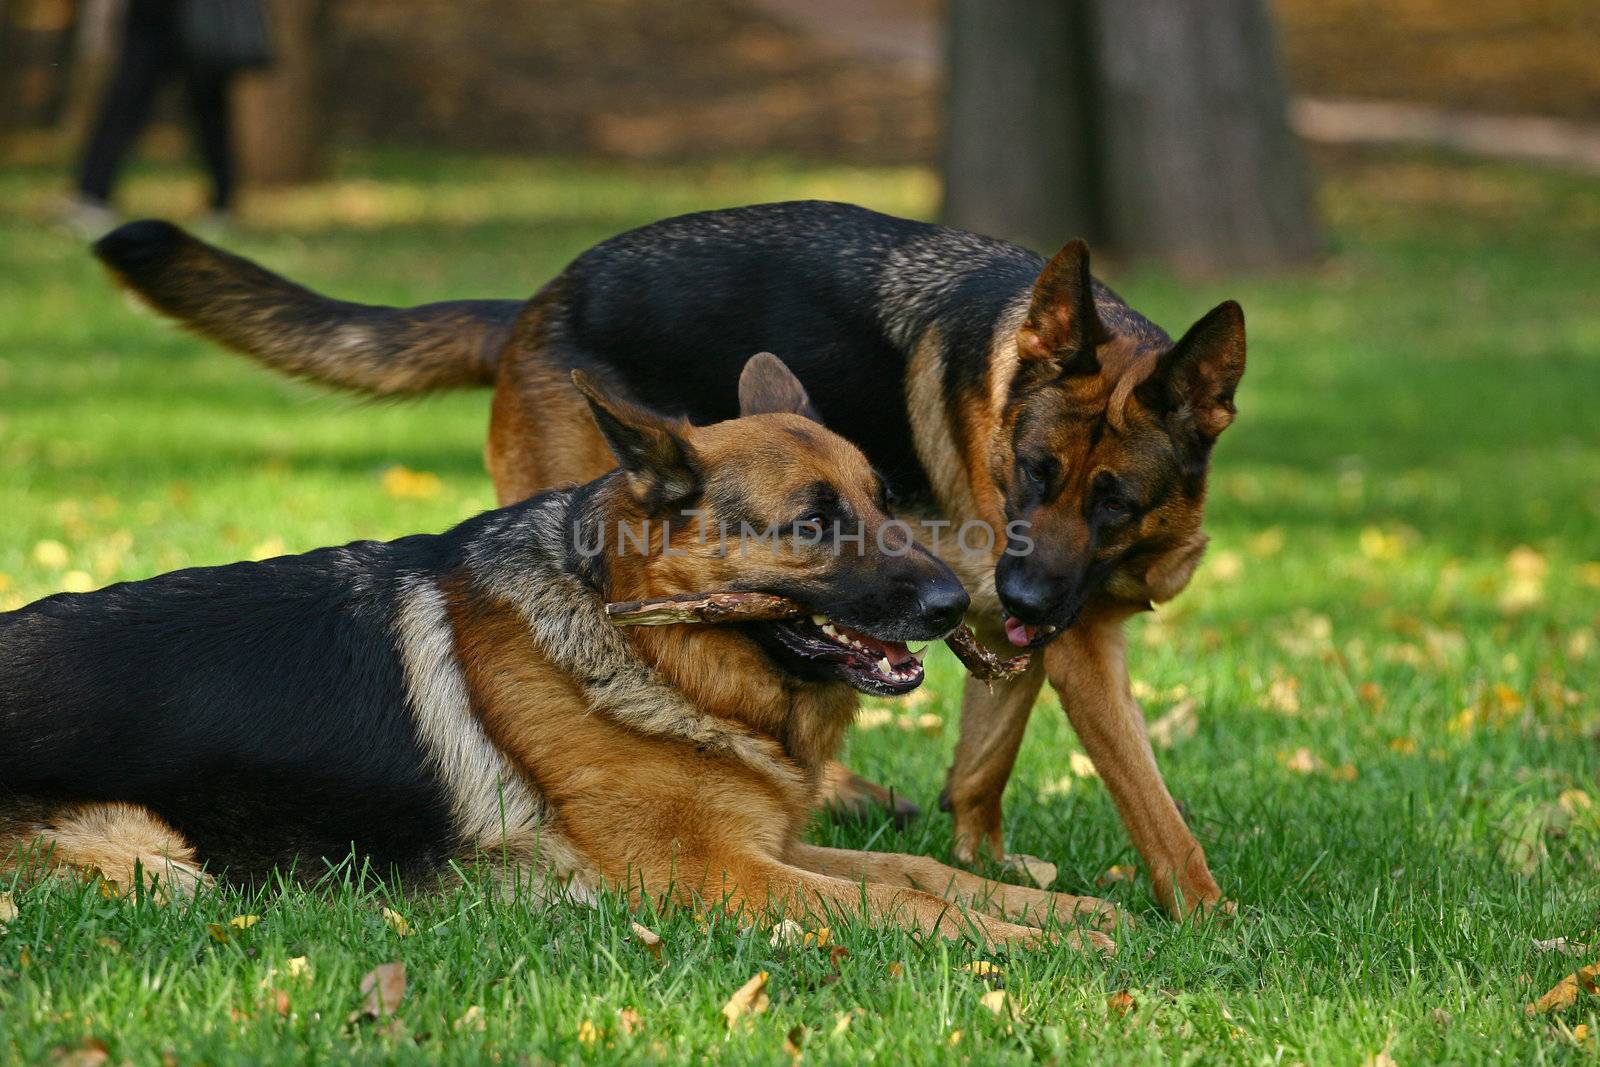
[(373, 349)]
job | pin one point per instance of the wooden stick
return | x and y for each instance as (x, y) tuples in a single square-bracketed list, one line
[(980, 662), (764, 607), (705, 607)]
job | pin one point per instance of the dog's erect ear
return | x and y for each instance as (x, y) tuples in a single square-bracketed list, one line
[(1062, 324), (768, 387), (1199, 374), (659, 462)]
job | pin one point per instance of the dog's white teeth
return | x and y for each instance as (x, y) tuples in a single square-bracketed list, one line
[(884, 665), (819, 620), (1048, 629), (828, 629), (917, 653)]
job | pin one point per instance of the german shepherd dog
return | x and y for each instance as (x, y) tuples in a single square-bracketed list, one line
[(988, 385), (440, 697)]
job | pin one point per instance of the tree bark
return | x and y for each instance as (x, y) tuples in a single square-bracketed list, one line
[(1016, 136), (280, 109), (1153, 128)]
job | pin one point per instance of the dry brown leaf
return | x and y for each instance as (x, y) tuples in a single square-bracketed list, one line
[(1121, 1002), (396, 922), (92, 1053), (794, 1042), (1564, 994), (629, 1022), (382, 989), (1559, 944), (471, 1021), (749, 999), (1036, 871), (897, 969), (647, 938), (8, 910), (1178, 724)]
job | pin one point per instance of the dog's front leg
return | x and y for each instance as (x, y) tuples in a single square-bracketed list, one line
[(1014, 903), (992, 725), (784, 890), (1088, 667)]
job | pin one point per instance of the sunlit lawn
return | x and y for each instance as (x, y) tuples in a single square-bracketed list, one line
[(1390, 661)]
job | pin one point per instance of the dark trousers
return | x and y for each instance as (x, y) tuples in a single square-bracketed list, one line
[(152, 55)]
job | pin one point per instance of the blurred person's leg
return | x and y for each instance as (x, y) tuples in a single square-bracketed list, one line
[(149, 54), (209, 99)]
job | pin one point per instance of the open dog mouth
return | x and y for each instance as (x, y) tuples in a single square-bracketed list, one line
[(1026, 635), (866, 663)]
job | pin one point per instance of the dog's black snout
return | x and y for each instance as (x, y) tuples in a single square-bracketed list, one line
[(1026, 596), (943, 604)]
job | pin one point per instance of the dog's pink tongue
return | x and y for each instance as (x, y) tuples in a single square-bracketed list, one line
[(1018, 632)]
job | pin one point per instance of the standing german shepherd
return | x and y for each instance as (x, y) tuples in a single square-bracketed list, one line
[(987, 385), (438, 697)]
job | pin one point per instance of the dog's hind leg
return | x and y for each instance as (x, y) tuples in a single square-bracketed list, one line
[(846, 793), (116, 841)]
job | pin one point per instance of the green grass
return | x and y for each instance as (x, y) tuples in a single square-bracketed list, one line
[(1416, 410)]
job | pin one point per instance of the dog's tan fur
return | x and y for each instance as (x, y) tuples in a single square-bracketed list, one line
[(672, 763)]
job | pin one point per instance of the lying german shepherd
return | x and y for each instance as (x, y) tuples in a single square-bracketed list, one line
[(439, 697), (987, 385)]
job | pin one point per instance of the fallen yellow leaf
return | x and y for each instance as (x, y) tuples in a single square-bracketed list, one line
[(471, 1021), (244, 922), (51, 554), (77, 582), (1564, 994), (1121, 1002), (749, 999), (954, 1039), (930, 724), (588, 1033), (1403, 745), (1302, 761), (983, 969), (786, 932), (8, 907), (996, 1001), (1178, 724), (1081, 765), (1117, 872), (403, 483), (396, 922), (648, 938)]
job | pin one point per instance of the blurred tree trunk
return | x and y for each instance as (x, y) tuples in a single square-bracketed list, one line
[(1154, 128), (280, 111)]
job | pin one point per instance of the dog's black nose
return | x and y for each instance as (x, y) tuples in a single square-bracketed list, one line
[(1026, 596), (943, 604)]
